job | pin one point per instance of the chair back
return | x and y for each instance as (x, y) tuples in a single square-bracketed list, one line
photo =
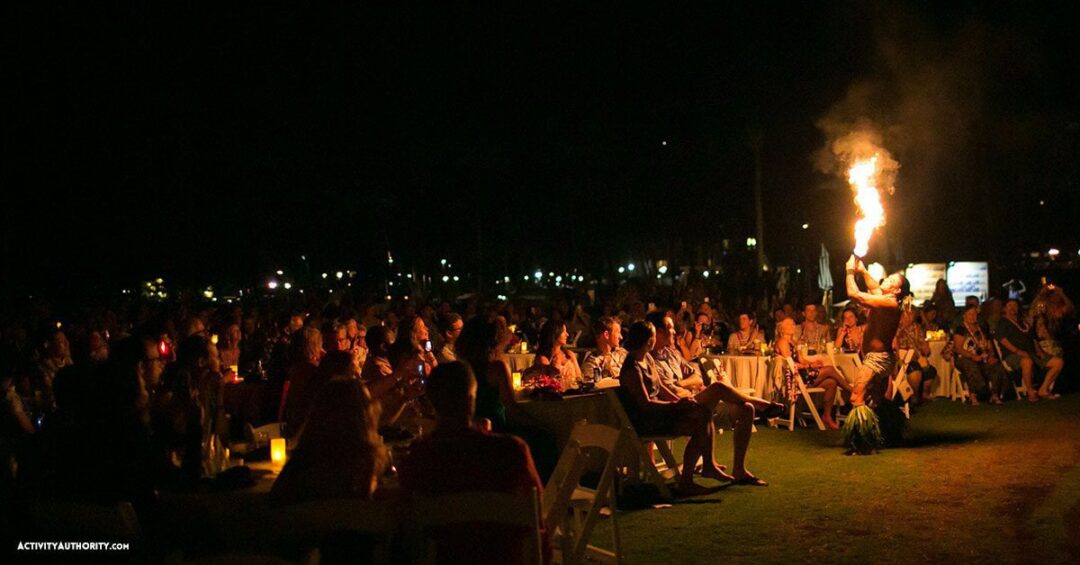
[(585, 440), (272, 431), (85, 521), (997, 350), (522, 511)]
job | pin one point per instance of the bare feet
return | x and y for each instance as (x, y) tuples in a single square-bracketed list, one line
[(716, 473), (830, 424), (974, 401), (1033, 396), (749, 480), (995, 400)]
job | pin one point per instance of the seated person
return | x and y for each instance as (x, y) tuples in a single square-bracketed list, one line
[(607, 360), (1021, 350), (812, 332), (552, 358), (930, 321), (675, 371), (976, 360), (458, 457), (655, 409), (412, 345), (391, 389), (850, 333), (450, 325), (306, 351), (339, 453), (812, 370), (747, 338), (920, 373)]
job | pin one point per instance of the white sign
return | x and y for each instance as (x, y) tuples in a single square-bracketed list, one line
[(970, 278), (923, 277)]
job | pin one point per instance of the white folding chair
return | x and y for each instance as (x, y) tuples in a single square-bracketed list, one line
[(1020, 389), (571, 510), (443, 512), (804, 393), (272, 431), (641, 462), (900, 384)]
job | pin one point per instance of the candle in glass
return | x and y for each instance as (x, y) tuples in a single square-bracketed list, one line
[(517, 380), (277, 452)]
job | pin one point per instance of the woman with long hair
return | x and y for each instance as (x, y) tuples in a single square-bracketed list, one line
[(496, 401), (551, 357), (339, 453)]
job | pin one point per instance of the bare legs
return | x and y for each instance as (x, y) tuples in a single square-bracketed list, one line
[(1027, 373), (700, 446), (1054, 366), (829, 379), (742, 409)]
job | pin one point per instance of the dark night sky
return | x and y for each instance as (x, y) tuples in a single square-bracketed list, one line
[(215, 141)]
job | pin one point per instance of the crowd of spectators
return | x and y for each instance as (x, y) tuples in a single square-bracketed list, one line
[(343, 378)]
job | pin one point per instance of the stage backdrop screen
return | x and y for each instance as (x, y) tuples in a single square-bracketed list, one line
[(969, 278), (923, 277)]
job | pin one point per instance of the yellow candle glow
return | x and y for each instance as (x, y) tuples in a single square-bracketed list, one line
[(277, 452), (517, 380), (524, 347)]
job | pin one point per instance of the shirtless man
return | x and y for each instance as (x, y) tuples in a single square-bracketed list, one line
[(883, 301)]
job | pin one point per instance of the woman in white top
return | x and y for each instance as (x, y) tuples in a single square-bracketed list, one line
[(551, 357)]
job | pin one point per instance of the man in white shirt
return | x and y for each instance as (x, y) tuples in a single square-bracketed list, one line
[(608, 356), (450, 325)]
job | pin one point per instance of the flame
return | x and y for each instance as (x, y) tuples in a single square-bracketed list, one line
[(863, 178)]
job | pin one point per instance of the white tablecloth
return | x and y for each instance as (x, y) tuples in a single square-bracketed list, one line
[(847, 364), (520, 361), (945, 372), (745, 372)]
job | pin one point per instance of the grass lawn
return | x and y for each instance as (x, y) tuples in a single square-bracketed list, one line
[(984, 484)]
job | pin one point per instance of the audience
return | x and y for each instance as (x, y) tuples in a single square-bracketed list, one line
[(338, 453), (675, 372), (849, 334), (393, 390), (812, 332), (920, 373), (943, 301), (304, 378), (450, 325), (656, 409), (459, 457), (607, 359), (812, 370), (747, 338), (552, 357), (976, 360), (114, 423), (1021, 350)]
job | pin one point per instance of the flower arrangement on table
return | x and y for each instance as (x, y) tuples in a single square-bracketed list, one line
[(544, 387)]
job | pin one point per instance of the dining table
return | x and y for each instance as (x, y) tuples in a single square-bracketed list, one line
[(744, 372)]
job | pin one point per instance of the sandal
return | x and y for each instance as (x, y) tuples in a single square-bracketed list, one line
[(749, 480)]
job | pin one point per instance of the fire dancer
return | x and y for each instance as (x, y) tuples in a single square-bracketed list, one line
[(862, 432)]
